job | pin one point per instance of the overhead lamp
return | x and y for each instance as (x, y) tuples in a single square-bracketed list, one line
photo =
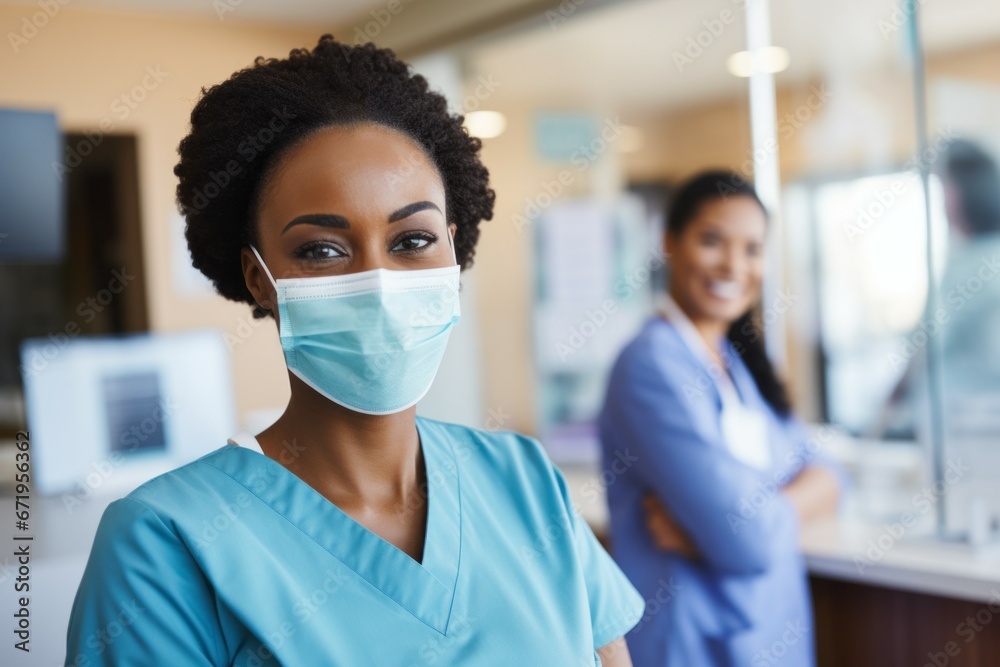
[(485, 124), (768, 60)]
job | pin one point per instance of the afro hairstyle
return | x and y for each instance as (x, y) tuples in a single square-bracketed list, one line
[(241, 127)]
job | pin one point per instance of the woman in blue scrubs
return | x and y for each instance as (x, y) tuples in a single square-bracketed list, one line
[(334, 192), (705, 524)]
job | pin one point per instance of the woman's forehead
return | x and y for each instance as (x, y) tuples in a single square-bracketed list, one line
[(354, 171), (736, 214)]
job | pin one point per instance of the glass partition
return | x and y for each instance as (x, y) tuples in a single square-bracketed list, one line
[(606, 108), (880, 307), (962, 322), (892, 199)]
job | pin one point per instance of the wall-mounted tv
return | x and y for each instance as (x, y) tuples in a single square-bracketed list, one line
[(32, 200)]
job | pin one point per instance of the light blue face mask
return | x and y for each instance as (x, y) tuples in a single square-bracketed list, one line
[(370, 341)]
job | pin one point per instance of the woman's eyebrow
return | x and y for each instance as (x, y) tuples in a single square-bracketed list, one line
[(340, 222), (410, 209), (319, 219)]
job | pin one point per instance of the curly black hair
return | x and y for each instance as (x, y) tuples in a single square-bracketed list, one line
[(241, 127)]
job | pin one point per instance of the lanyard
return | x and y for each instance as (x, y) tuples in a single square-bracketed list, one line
[(743, 428)]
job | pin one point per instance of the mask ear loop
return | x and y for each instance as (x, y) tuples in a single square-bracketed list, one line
[(266, 271), (264, 266), (451, 242)]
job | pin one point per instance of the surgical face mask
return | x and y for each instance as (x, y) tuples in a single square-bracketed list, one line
[(369, 341)]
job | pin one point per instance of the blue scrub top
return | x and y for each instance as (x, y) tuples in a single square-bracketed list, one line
[(745, 601), (234, 560)]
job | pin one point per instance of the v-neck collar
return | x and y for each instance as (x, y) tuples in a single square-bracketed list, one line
[(737, 384), (725, 382), (427, 589)]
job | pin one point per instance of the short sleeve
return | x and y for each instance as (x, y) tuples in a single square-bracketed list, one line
[(142, 600), (615, 604)]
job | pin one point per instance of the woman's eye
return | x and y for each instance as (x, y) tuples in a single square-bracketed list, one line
[(319, 251), (412, 243), (710, 239)]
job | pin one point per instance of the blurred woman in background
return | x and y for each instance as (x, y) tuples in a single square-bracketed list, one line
[(706, 522)]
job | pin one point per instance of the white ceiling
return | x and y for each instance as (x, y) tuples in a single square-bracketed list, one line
[(321, 13), (623, 54)]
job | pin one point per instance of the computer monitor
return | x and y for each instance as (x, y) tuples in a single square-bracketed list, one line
[(106, 414), (32, 218)]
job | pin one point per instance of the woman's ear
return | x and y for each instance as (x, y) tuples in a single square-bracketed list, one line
[(256, 281)]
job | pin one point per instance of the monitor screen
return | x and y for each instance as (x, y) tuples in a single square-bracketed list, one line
[(108, 413), (32, 217)]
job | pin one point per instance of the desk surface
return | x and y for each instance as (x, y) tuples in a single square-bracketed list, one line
[(837, 548), (866, 553), (859, 551)]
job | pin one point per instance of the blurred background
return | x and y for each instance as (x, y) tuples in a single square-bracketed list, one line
[(871, 129)]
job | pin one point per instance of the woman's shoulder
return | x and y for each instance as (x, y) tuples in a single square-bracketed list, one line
[(498, 452), (656, 355), (167, 511), (184, 488), (659, 342)]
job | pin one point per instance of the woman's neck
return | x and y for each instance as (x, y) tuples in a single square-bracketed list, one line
[(711, 331), (374, 460)]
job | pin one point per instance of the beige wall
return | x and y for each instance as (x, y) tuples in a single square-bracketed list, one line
[(82, 61), (677, 145), (78, 65)]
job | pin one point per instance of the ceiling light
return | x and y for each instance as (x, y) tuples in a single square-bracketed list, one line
[(769, 60), (485, 124)]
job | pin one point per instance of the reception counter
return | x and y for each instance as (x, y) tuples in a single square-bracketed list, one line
[(917, 602), (881, 597), (879, 601)]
